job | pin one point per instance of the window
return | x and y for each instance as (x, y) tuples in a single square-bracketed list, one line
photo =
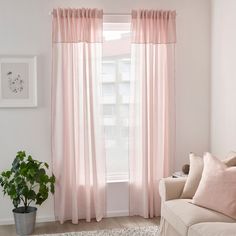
[(115, 96)]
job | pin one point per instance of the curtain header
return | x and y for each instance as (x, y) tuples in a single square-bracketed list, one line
[(153, 26), (77, 25)]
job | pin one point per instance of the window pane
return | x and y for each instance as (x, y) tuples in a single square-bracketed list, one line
[(124, 110), (110, 143), (109, 121), (124, 68), (108, 110), (108, 71), (124, 89), (109, 132), (115, 95), (124, 132), (108, 89), (125, 121), (109, 100)]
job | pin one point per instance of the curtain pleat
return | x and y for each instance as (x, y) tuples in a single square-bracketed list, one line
[(152, 26)]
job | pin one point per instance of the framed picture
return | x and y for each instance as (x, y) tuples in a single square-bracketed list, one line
[(18, 81)]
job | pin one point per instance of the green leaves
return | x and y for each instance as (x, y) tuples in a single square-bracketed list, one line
[(32, 195), (52, 183), (21, 155), (15, 164), (27, 181), (16, 202), (52, 188), (6, 174), (31, 172)]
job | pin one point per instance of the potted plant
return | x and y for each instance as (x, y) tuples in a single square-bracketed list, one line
[(25, 183)]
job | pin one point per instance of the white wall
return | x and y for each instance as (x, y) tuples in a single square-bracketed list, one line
[(223, 118), (25, 28)]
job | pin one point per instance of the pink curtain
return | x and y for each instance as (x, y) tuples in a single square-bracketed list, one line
[(77, 138), (152, 109)]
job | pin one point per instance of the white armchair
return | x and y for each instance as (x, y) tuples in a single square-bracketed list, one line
[(179, 217), (171, 188)]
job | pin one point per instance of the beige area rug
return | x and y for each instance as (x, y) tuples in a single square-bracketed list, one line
[(137, 231)]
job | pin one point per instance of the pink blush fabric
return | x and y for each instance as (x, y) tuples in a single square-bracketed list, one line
[(217, 188), (77, 134), (153, 26), (152, 108)]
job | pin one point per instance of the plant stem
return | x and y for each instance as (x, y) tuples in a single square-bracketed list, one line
[(30, 202), (26, 206)]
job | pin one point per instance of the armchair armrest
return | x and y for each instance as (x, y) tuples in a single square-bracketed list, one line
[(171, 188)]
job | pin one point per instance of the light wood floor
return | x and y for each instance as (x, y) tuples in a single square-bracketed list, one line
[(107, 223)]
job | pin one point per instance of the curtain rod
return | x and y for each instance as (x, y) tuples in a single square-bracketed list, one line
[(108, 14)]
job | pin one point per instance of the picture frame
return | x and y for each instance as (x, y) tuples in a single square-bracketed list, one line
[(18, 81)]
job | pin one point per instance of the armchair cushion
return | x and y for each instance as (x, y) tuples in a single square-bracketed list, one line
[(182, 214), (213, 229)]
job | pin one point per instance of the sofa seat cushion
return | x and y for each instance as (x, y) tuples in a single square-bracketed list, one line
[(213, 229), (181, 214)]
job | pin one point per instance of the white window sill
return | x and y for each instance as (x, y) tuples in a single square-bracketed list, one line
[(117, 181), (117, 178)]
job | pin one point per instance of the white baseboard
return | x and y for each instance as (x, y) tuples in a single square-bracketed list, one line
[(7, 221), (117, 213), (38, 220), (45, 219), (10, 221)]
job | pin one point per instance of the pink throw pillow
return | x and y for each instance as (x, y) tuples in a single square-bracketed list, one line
[(217, 188)]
